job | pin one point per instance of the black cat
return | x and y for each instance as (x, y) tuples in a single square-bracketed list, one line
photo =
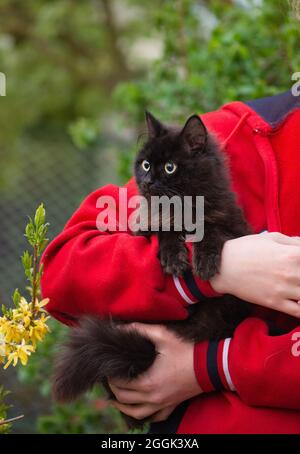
[(188, 162), (179, 162)]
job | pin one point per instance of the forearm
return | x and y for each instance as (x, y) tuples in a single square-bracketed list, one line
[(263, 269), (112, 273), (263, 368)]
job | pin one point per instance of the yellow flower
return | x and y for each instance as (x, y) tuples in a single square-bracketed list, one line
[(23, 312), (20, 331), (3, 321), (41, 304), (11, 330), (21, 353), (39, 330), (2, 347)]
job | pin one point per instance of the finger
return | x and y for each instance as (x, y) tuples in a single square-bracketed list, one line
[(136, 411), (126, 396), (119, 383), (291, 308), (153, 331), (284, 239), (289, 240), (162, 415), (138, 384), (292, 292)]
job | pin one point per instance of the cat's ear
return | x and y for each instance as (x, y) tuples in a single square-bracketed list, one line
[(155, 127), (194, 133)]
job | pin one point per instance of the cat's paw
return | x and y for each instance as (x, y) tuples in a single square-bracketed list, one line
[(174, 263), (206, 267)]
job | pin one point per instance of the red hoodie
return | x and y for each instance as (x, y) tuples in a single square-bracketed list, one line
[(250, 382)]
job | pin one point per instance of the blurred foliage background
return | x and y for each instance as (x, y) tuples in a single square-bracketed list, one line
[(79, 75)]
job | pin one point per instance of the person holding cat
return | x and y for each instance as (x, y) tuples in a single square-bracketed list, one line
[(244, 384)]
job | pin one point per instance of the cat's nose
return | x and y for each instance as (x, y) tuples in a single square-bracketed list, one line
[(146, 186)]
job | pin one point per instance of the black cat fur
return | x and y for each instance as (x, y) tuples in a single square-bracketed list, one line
[(98, 349)]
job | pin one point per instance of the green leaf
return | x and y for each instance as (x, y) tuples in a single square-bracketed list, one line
[(16, 297), (39, 217), (26, 259), (30, 233)]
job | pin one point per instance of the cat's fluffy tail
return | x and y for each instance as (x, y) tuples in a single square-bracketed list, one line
[(98, 349)]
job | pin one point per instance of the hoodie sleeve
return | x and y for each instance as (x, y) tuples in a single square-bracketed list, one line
[(112, 272), (262, 367)]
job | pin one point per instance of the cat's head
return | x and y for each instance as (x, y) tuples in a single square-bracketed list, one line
[(173, 160)]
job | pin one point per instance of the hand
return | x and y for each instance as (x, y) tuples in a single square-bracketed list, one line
[(263, 269), (168, 382)]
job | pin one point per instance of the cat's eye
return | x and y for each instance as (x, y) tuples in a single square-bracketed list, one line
[(170, 167), (146, 165)]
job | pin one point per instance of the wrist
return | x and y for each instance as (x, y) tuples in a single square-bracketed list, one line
[(219, 282)]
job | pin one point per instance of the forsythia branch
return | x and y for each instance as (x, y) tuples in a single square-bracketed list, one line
[(8, 421), (24, 326)]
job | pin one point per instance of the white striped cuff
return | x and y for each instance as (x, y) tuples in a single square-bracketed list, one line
[(181, 291), (225, 364)]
